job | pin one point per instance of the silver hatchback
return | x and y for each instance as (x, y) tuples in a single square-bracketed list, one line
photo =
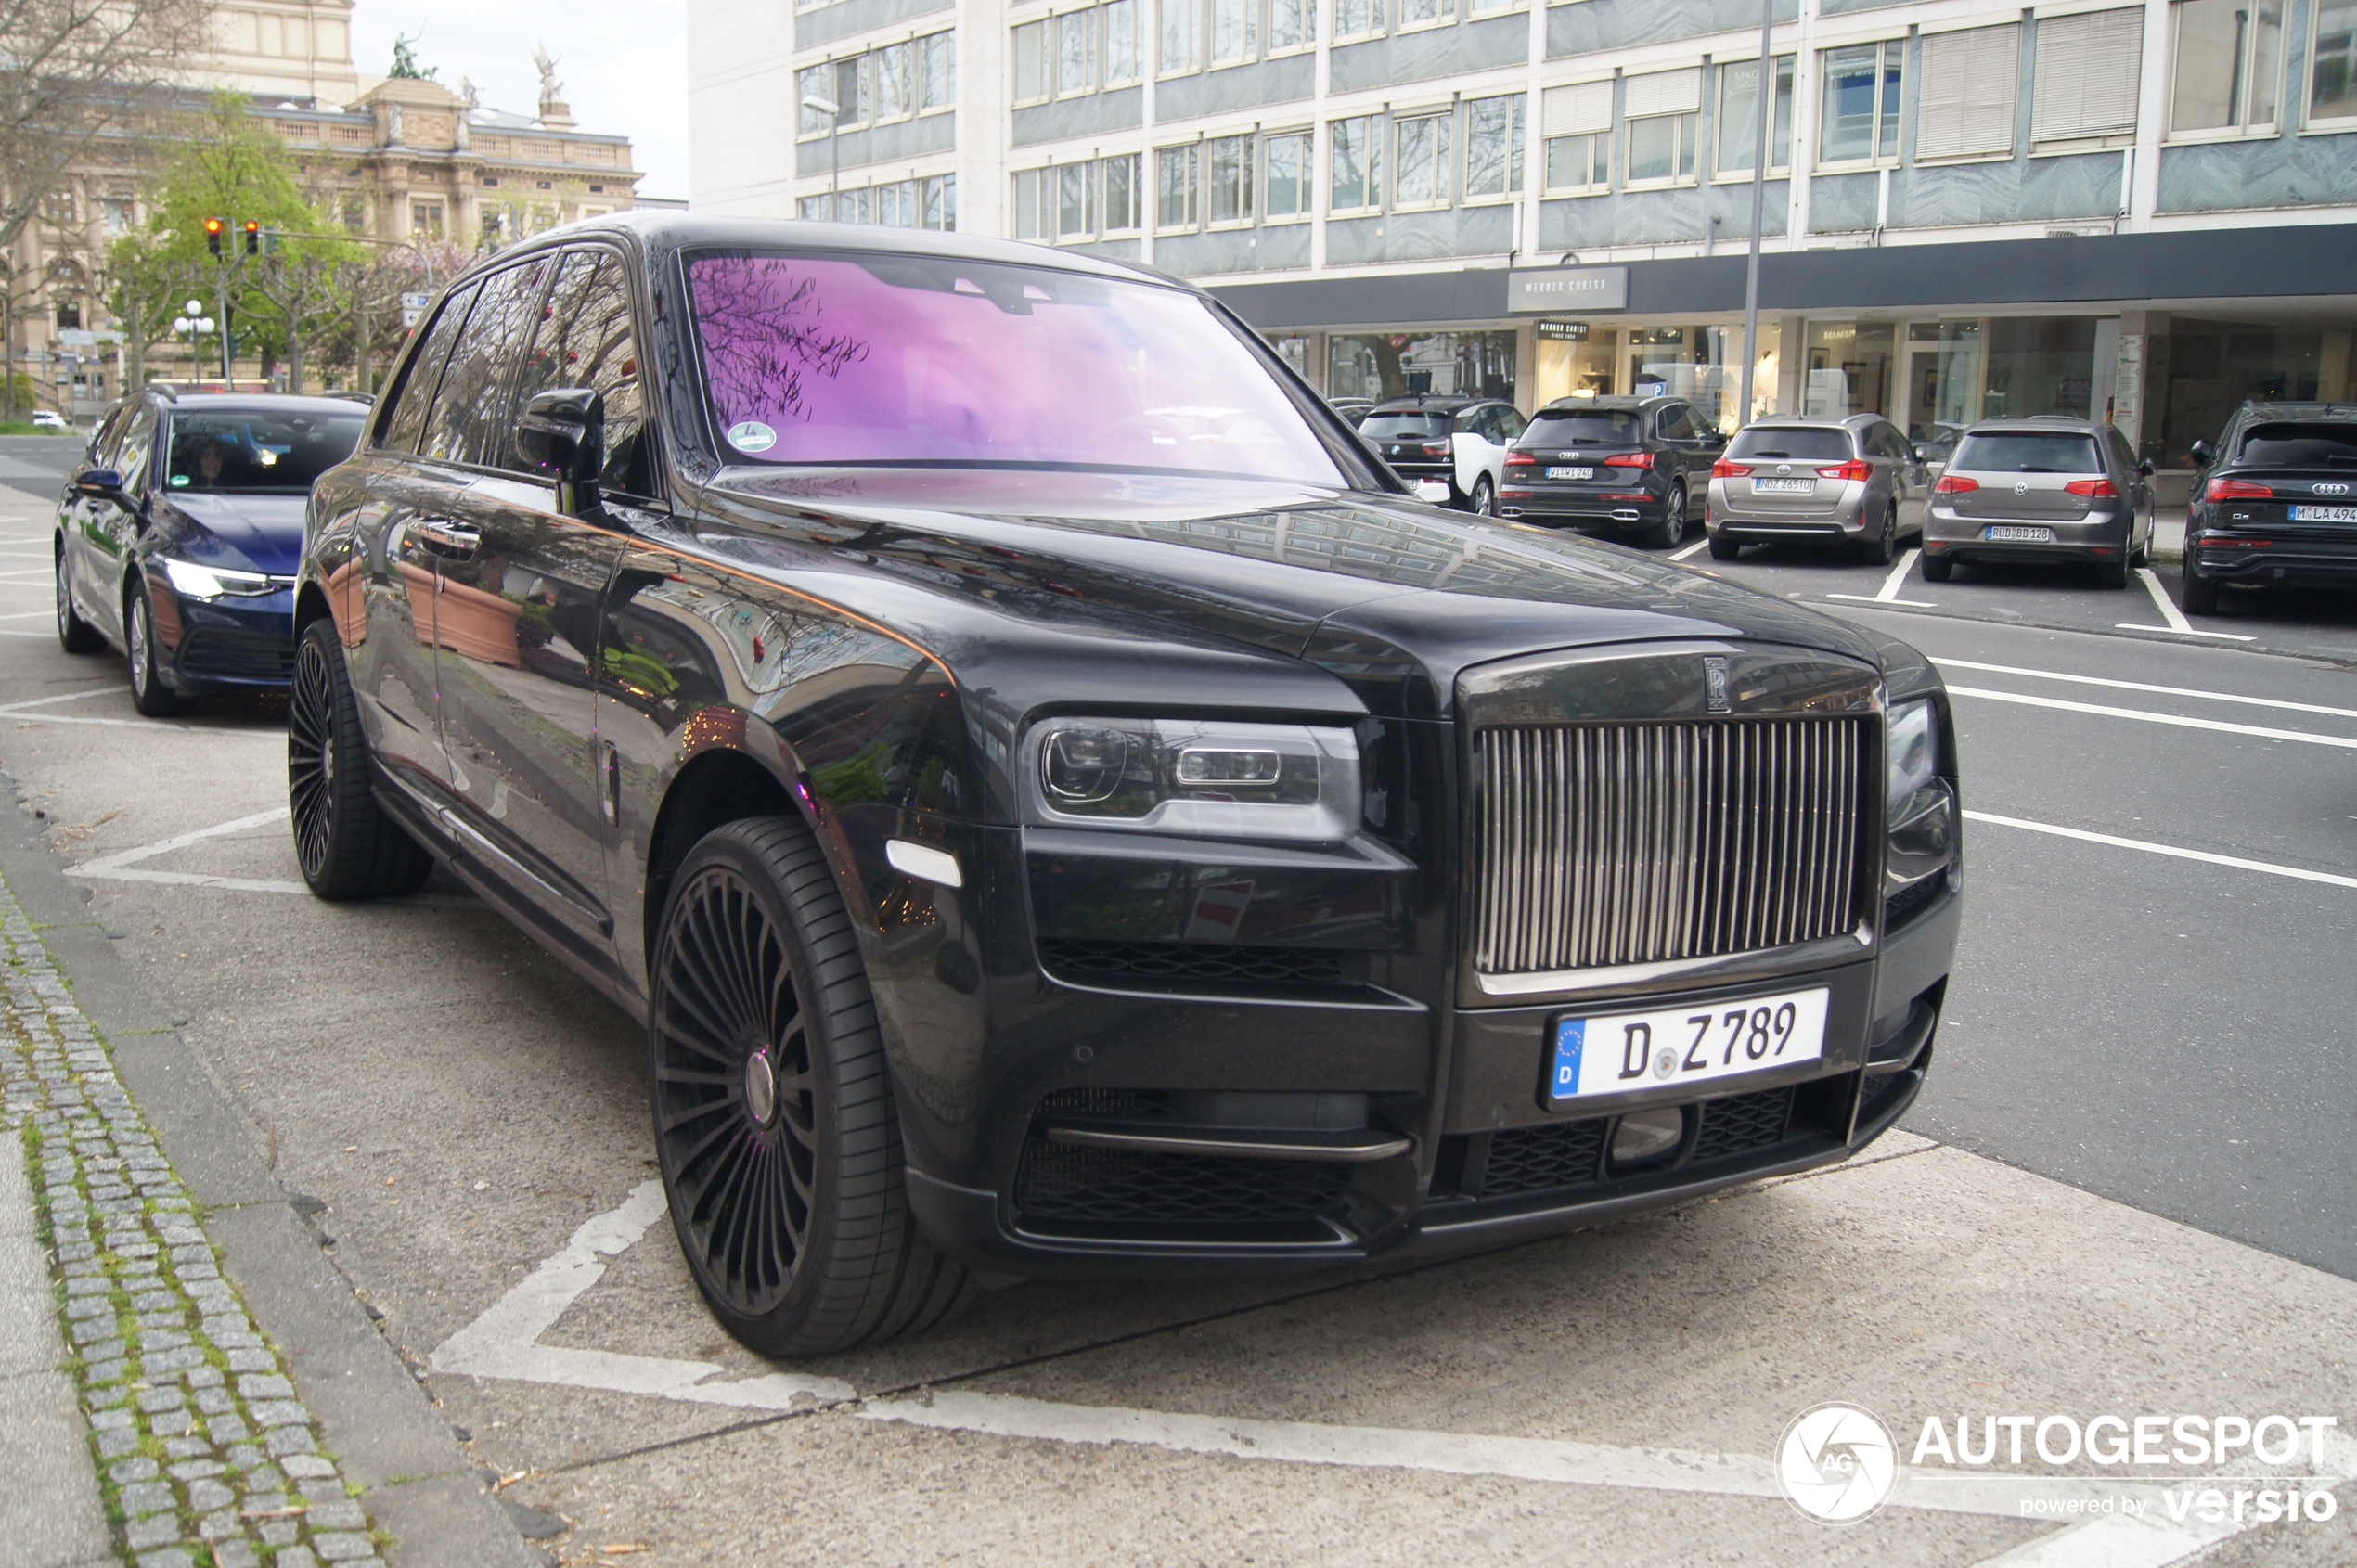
[(2041, 489), (1855, 481)]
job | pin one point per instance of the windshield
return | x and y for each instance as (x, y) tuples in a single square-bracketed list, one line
[(1596, 426), (1403, 427), (918, 359), (2309, 446), (233, 451), (1809, 445), (2027, 452)]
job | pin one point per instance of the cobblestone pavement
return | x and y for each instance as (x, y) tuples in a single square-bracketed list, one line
[(206, 1456)]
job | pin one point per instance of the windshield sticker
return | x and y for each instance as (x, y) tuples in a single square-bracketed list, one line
[(752, 436)]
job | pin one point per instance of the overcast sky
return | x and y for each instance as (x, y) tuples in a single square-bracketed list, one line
[(624, 64)]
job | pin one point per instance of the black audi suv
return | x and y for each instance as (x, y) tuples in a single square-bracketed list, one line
[(1145, 841), (2274, 503), (1614, 465)]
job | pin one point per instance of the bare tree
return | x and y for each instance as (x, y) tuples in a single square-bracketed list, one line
[(300, 291)]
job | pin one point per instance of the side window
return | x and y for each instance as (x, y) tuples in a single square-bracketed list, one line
[(416, 396), (1674, 425), (1510, 426), (104, 440), (470, 419), (585, 339), (2119, 448), (138, 446)]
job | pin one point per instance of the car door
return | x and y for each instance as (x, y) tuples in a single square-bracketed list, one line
[(74, 508), (516, 607), (1896, 461), (382, 594), (1475, 448), (1674, 426), (110, 527)]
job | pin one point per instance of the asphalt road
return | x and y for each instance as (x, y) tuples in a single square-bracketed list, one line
[(2129, 1186), (37, 465)]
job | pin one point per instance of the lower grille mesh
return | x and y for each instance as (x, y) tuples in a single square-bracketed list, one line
[(1537, 1159), (1058, 1182), (1087, 960), (1741, 1123), (1605, 844)]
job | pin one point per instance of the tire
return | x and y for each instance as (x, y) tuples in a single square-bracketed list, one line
[(1670, 532), (1724, 549), (2111, 573), (1936, 569), (75, 634), (2200, 595), (2142, 555), (347, 846), (148, 694), (1485, 497), (1883, 549), (793, 1219)]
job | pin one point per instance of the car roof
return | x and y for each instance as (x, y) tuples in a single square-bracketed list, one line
[(2047, 422), (2259, 410), (1813, 422), (1618, 405), (260, 403), (1429, 402)]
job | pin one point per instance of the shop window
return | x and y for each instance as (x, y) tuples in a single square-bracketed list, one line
[(1231, 185), (2204, 371), (1288, 181), (1358, 19), (1970, 81), (2228, 53), (937, 71), (1577, 122), (1121, 41), (2332, 92), (1076, 52), (1031, 64), (1175, 181), (1661, 110), (1862, 89), (1400, 365), (1293, 349), (1356, 184), (1575, 359), (1493, 147), (1232, 31), (1739, 117), (1121, 213), (1181, 38), (1424, 177), (1703, 366), (1289, 25), (1848, 368), (2089, 70)]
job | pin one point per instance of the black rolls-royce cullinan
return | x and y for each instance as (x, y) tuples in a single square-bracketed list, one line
[(1059, 806)]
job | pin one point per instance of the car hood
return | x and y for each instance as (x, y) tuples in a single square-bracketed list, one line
[(255, 532), (1392, 596)]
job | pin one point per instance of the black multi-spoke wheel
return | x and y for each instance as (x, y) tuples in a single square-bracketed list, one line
[(75, 634), (347, 846), (148, 694), (773, 1105)]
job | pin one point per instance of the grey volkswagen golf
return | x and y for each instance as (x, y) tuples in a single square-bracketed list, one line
[(2043, 489)]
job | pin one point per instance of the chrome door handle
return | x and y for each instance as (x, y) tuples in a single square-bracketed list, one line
[(447, 538)]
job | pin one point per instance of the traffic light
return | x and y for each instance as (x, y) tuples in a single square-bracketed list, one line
[(212, 227), (254, 237)]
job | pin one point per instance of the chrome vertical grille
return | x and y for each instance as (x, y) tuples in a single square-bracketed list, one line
[(1632, 843)]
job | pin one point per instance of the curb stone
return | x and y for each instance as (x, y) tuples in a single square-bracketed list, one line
[(205, 1455)]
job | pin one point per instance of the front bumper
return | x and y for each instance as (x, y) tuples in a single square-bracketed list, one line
[(233, 643)]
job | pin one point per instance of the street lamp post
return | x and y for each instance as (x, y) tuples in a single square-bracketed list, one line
[(194, 322), (1759, 206), (834, 112)]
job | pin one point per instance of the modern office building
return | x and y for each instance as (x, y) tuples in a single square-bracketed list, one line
[(2144, 211)]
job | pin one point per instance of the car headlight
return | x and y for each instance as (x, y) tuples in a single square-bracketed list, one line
[(1921, 803), (1197, 777), (212, 581)]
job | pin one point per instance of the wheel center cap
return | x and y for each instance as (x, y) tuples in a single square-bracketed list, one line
[(761, 1086)]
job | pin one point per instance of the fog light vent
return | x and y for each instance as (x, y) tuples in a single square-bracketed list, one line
[(1648, 1137)]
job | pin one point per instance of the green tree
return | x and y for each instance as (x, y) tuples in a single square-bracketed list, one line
[(147, 288)]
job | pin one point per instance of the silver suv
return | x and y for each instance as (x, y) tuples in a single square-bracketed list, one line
[(2043, 489), (1855, 480)]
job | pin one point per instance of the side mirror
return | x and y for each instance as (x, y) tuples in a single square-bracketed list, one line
[(2146, 468), (563, 435), (99, 485), (2202, 453)]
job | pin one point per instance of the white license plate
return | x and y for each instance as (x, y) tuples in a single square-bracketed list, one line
[(1784, 486), (2323, 514), (1689, 1045), (1571, 473), (2015, 531)]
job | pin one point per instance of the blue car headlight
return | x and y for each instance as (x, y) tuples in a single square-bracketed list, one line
[(212, 581)]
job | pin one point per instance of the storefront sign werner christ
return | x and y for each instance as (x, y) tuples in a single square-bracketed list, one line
[(1567, 288)]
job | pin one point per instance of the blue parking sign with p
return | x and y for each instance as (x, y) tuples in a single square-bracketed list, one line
[(1570, 1035)]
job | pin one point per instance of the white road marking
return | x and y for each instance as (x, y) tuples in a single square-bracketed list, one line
[(1698, 545), (2139, 686), (1877, 599), (504, 1343), (111, 868), (2174, 719), (66, 697), (25, 615), (1888, 592), (2237, 862), (2171, 614)]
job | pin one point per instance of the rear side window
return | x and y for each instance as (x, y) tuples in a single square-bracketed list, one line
[(1403, 427), (2027, 452), (409, 411), (1597, 427), (2309, 444), (470, 423), (1803, 446)]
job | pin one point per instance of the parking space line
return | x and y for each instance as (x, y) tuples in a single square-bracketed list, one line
[(2139, 686), (63, 696), (112, 867), (1697, 546), (2171, 614), (2237, 862), (1888, 592), (2175, 719), (503, 1342)]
